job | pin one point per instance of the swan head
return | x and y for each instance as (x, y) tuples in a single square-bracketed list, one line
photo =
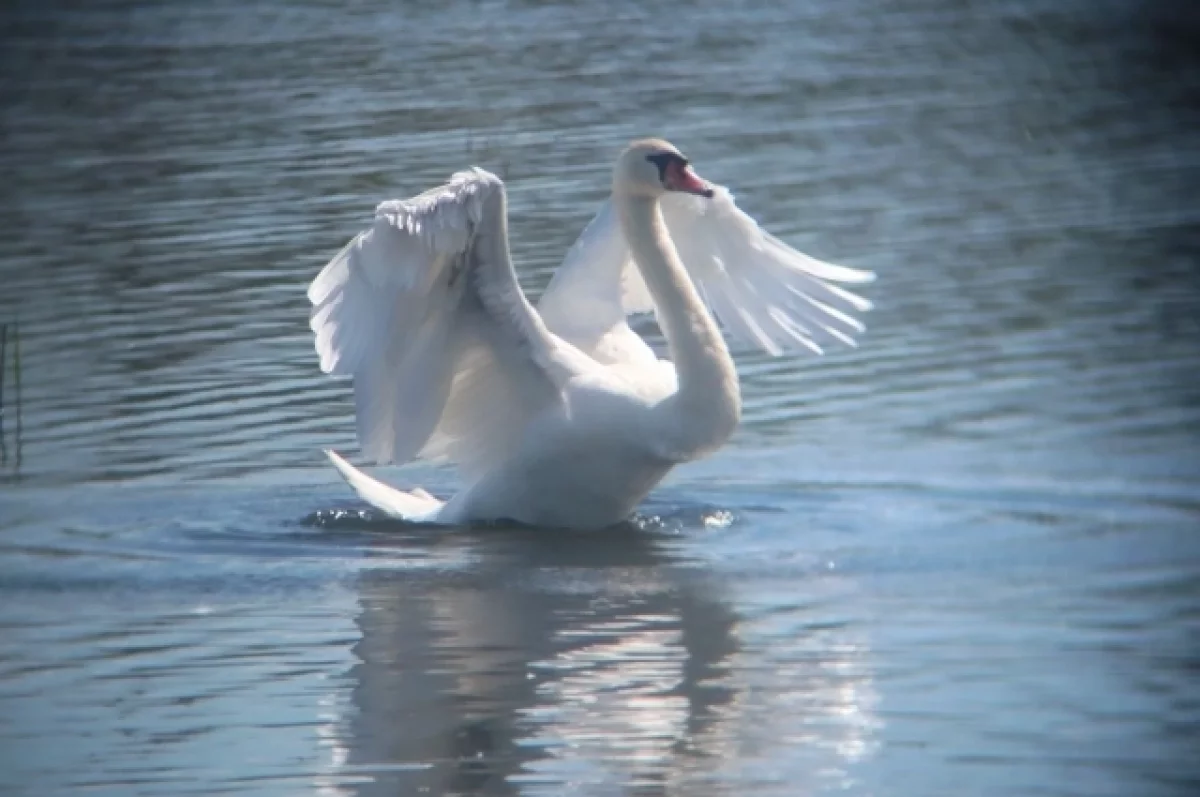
[(651, 167)]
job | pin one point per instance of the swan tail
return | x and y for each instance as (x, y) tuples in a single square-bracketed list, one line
[(417, 506)]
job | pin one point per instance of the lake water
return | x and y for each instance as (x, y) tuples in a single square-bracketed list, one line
[(961, 559)]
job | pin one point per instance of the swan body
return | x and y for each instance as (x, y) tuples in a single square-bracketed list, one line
[(560, 415)]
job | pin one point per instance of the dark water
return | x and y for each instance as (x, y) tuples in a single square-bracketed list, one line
[(962, 559)]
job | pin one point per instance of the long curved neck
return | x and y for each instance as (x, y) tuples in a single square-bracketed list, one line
[(706, 373)]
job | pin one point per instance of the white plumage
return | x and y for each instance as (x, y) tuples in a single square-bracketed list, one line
[(560, 415)]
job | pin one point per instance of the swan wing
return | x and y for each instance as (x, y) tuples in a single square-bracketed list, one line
[(594, 290), (414, 307), (495, 393), (763, 292)]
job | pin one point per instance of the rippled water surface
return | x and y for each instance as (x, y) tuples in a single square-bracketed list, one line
[(961, 559)]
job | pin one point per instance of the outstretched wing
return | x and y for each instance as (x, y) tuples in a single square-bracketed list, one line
[(763, 292), (373, 287), (418, 303)]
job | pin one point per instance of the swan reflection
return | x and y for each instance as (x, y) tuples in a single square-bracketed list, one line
[(605, 661)]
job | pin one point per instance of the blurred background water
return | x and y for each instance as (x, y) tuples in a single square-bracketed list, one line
[(961, 559)]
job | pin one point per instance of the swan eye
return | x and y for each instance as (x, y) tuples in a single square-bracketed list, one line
[(664, 159)]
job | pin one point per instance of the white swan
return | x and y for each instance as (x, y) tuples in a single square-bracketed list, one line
[(560, 415)]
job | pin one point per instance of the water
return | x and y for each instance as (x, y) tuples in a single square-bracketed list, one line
[(960, 559)]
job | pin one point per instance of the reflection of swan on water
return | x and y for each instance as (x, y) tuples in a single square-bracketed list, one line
[(571, 659), (560, 415)]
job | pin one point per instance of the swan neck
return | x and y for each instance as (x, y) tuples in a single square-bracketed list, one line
[(706, 373)]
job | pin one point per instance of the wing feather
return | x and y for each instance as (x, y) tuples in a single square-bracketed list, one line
[(394, 311), (763, 292), (592, 292), (494, 391)]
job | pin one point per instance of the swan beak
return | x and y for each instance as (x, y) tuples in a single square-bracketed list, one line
[(683, 179)]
